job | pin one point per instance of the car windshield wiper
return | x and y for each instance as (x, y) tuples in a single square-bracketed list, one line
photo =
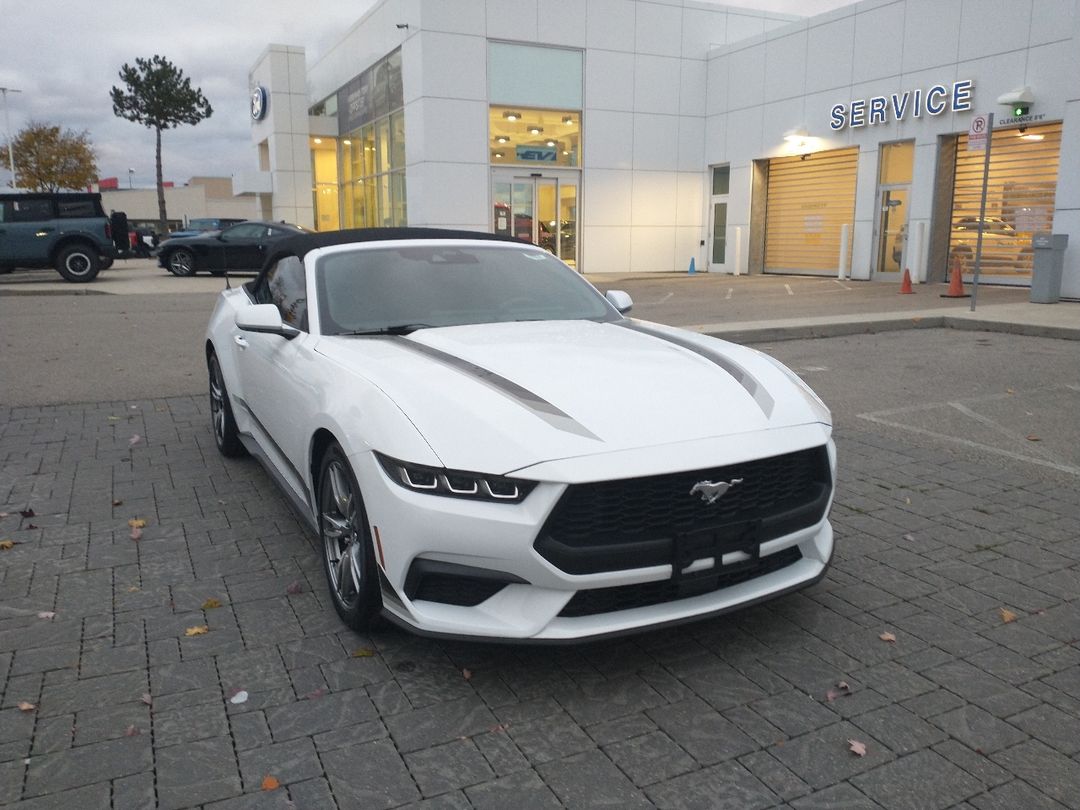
[(396, 329)]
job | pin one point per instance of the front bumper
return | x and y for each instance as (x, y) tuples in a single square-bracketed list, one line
[(419, 535)]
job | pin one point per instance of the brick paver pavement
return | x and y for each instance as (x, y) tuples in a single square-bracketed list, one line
[(974, 569)]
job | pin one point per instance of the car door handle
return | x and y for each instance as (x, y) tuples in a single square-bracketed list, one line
[(240, 341)]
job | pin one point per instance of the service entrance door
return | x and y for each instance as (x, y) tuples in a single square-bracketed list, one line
[(892, 230), (891, 227), (541, 209)]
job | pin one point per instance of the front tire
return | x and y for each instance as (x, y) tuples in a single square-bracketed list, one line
[(181, 262), (348, 554), (78, 263), (226, 434), (105, 262)]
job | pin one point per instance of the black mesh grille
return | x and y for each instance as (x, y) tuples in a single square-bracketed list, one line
[(625, 597), (632, 523), (453, 590)]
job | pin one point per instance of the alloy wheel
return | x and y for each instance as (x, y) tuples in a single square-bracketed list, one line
[(342, 534)]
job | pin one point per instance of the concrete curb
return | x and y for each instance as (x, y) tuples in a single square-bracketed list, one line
[(766, 333)]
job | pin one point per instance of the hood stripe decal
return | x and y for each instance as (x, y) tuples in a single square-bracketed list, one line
[(511, 390), (743, 377)]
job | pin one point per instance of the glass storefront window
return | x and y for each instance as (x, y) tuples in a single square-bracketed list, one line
[(397, 140), (542, 138), (324, 173), (382, 145)]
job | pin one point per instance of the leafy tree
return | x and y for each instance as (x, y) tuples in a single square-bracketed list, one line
[(47, 159), (159, 96)]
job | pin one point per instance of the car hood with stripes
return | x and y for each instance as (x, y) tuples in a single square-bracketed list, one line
[(498, 398)]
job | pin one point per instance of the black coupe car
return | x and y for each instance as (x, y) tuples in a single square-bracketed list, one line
[(238, 247)]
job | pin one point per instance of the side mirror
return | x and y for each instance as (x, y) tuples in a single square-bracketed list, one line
[(266, 319), (620, 300)]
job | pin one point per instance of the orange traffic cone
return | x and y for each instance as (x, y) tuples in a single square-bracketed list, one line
[(956, 281), (905, 285)]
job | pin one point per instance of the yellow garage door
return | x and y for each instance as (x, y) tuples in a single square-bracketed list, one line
[(809, 199), (1020, 193)]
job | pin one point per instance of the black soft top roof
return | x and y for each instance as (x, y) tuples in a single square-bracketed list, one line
[(303, 244)]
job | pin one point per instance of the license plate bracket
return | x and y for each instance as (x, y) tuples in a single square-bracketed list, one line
[(715, 542)]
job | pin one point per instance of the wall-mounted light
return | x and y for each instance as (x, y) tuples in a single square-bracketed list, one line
[(796, 134), (402, 26)]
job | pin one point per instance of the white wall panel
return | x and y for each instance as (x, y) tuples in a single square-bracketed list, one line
[(609, 80), (607, 249), (453, 16), (689, 198), (691, 144), (513, 19), (785, 67), (830, 54), (931, 34), (609, 24), (656, 84), (658, 29), (457, 130), (652, 199), (746, 78), (992, 26), (653, 142), (454, 66), (692, 87), (562, 22), (878, 46), (702, 29), (607, 202), (608, 139), (652, 250)]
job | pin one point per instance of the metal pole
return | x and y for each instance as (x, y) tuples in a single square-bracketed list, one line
[(845, 235), (982, 209), (7, 129)]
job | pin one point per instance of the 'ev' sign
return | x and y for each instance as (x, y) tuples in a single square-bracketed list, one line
[(879, 109)]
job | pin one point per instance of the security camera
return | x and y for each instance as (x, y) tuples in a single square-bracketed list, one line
[(1019, 100)]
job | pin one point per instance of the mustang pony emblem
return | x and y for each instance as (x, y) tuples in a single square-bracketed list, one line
[(710, 492)]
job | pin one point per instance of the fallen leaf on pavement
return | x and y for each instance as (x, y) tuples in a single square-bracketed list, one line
[(46, 614), (270, 783), (133, 589), (295, 587), (210, 604), (1009, 391), (842, 690), (4, 514), (132, 731), (7, 545), (137, 523), (27, 513), (26, 706), (466, 674), (363, 652), (1031, 437), (134, 440), (117, 503), (909, 537), (857, 748), (30, 526), (239, 697), (114, 418), (1007, 615), (136, 533), (198, 630), (889, 637), (147, 699), (318, 693)]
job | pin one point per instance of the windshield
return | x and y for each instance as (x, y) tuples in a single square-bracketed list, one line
[(385, 289), (202, 224)]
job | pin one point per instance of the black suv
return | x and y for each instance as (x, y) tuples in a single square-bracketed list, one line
[(65, 230)]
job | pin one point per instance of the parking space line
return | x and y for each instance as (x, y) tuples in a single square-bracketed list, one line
[(842, 284), (730, 290), (882, 418), (985, 420), (788, 288)]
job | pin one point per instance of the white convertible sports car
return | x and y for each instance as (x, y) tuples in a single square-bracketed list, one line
[(488, 448)]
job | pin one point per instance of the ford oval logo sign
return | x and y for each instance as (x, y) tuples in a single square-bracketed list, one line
[(258, 103)]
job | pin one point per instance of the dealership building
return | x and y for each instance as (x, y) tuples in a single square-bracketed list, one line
[(638, 135)]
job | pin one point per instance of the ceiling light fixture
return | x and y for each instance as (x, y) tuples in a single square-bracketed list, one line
[(511, 116), (535, 130), (568, 120), (347, 142), (550, 143), (498, 154), (318, 140), (502, 139)]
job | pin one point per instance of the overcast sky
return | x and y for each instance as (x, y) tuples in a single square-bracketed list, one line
[(65, 55)]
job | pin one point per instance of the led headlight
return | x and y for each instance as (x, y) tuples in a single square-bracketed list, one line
[(455, 483)]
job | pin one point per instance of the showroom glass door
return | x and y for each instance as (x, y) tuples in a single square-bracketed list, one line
[(541, 210)]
